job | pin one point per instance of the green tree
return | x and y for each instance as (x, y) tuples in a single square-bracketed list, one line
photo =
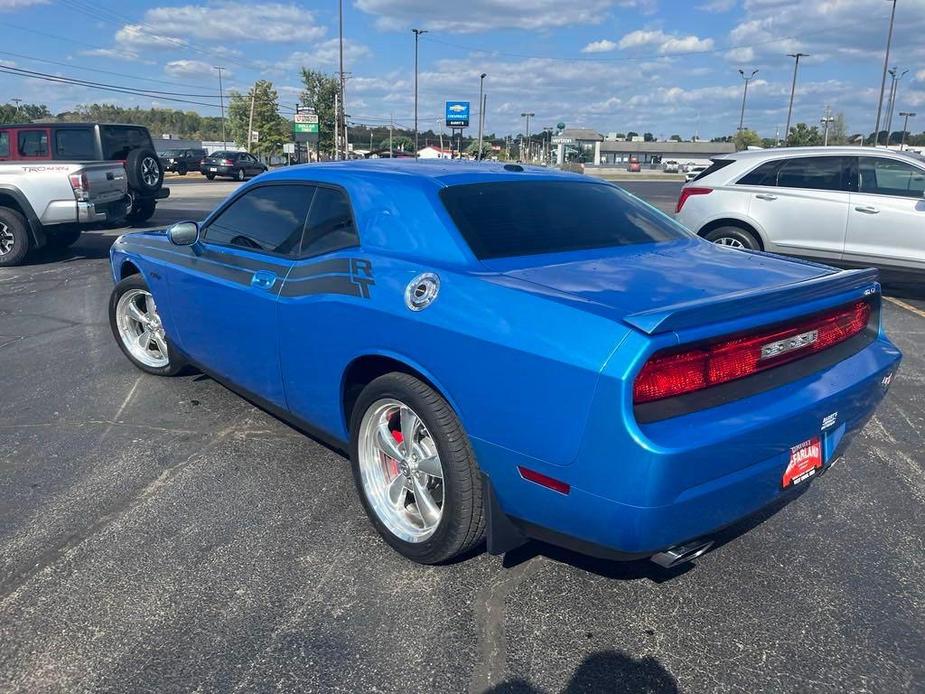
[(26, 113), (631, 134), (473, 149), (674, 138), (801, 135), (318, 92), (746, 138), (400, 143), (648, 137), (838, 130), (273, 130)]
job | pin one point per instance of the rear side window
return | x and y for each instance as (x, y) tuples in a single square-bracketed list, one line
[(713, 168), (815, 173), (528, 217), (33, 143), (330, 224), (764, 175), (4, 144), (268, 218), (74, 143), (119, 140), (890, 177)]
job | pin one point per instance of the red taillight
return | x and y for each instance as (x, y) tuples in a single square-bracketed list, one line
[(687, 192), (80, 184), (227, 162), (675, 373), (543, 480)]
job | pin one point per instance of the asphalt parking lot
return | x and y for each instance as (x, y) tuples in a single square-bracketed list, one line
[(166, 535)]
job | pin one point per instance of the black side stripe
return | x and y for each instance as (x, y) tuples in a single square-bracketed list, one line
[(325, 284)]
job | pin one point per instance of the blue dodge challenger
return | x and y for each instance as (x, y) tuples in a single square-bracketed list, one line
[(512, 353)]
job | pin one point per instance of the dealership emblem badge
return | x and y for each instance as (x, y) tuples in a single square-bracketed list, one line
[(422, 291), (829, 420)]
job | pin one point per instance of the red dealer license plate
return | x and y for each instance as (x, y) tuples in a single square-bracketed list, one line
[(805, 461)]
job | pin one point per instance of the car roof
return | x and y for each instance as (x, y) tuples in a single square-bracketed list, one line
[(443, 172), (835, 150)]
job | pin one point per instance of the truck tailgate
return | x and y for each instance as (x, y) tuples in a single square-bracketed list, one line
[(106, 181)]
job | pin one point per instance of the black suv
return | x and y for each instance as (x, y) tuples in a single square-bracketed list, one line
[(86, 142), (182, 161)]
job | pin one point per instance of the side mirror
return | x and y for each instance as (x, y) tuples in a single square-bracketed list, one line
[(183, 233)]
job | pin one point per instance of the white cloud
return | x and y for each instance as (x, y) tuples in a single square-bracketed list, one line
[(484, 15), (326, 53), (231, 20), (717, 6), (920, 76), (667, 43), (7, 5), (191, 68), (602, 46)]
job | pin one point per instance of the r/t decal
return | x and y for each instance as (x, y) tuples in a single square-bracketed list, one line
[(361, 274)]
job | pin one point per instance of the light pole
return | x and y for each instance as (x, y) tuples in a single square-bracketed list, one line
[(747, 78), (548, 144), (417, 35), (826, 121), (16, 101), (341, 118), (221, 97), (907, 115), (481, 113), (528, 116), (793, 88), (886, 62), (894, 88)]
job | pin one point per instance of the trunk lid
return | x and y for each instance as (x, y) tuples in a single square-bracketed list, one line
[(106, 181)]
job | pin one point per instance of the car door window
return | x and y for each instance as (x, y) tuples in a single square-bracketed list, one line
[(268, 218), (74, 143), (764, 175), (4, 144), (330, 224), (881, 176), (33, 143), (815, 173)]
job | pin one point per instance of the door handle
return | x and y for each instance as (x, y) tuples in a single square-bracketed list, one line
[(263, 279), (867, 209), (766, 196)]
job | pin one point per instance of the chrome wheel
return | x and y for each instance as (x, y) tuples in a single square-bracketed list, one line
[(400, 470), (729, 241), (7, 241), (150, 171), (140, 328)]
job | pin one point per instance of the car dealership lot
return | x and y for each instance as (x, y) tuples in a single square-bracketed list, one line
[(166, 534)]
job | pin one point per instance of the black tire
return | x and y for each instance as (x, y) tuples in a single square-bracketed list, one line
[(142, 210), (175, 364), (138, 164), (730, 236), (462, 524), (182, 170), (63, 236), (210, 176), (240, 175), (14, 237)]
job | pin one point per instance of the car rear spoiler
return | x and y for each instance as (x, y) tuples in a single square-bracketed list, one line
[(738, 304)]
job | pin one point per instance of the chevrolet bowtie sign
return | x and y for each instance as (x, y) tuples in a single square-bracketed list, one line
[(457, 114)]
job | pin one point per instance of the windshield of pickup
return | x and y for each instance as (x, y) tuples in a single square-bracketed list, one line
[(506, 219)]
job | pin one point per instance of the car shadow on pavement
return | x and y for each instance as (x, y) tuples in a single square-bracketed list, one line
[(90, 246), (904, 290), (605, 671)]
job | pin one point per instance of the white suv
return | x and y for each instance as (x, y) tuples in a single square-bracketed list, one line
[(849, 206)]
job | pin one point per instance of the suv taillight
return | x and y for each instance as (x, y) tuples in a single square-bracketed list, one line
[(687, 192), (676, 372), (80, 184)]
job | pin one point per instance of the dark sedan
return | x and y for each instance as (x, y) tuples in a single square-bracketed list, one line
[(237, 165)]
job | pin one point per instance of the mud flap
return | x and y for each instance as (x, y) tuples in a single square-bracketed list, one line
[(501, 533)]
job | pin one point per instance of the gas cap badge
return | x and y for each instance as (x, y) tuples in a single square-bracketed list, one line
[(422, 291)]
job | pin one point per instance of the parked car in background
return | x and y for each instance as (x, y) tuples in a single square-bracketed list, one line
[(634, 166), (182, 161), (48, 203), (670, 166), (694, 171), (849, 206), (131, 145), (237, 165), (513, 352)]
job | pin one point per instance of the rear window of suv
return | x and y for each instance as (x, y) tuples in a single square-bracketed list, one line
[(508, 219), (119, 140)]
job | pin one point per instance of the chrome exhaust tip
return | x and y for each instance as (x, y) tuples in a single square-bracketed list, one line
[(681, 553)]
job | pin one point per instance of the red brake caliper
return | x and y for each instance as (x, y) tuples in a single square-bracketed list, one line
[(393, 464)]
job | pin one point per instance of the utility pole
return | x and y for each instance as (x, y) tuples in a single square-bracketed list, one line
[(747, 79), (16, 101), (250, 122), (221, 97), (894, 88), (793, 88), (528, 116), (341, 119), (826, 121), (417, 36), (907, 115), (336, 124), (481, 112), (886, 62), (548, 145)]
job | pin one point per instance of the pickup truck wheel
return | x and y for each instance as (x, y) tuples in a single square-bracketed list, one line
[(137, 327), (142, 210), (14, 237), (414, 470), (63, 236), (182, 170)]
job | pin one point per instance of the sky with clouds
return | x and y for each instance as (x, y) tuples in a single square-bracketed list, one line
[(664, 66)]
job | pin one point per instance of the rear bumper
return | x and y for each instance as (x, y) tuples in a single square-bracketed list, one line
[(690, 476), (89, 213), (217, 170)]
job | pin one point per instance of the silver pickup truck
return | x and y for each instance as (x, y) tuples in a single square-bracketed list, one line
[(47, 203)]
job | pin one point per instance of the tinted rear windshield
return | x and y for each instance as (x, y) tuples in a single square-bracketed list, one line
[(528, 217)]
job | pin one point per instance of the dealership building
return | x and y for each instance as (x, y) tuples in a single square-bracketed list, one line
[(592, 149)]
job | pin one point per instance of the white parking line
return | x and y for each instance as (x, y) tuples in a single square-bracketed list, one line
[(909, 307)]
